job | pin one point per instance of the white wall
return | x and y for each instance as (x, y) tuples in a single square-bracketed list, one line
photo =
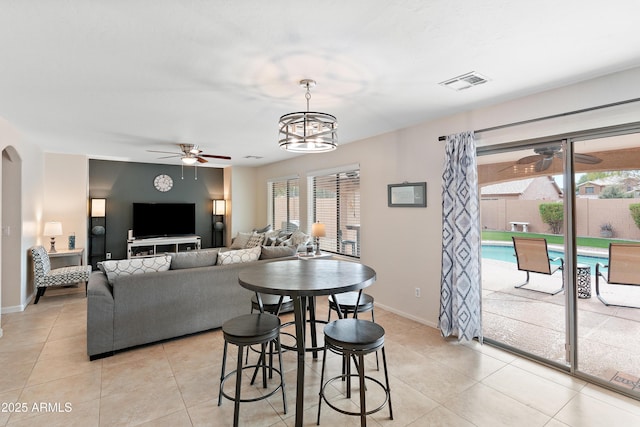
[(66, 197), (19, 289), (242, 214), (403, 245)]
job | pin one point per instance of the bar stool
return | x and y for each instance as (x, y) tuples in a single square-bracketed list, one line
[(354, 338), (276, 305), (245, 331), (348, 302)]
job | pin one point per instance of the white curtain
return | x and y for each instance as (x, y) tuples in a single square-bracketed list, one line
[(460, 285)]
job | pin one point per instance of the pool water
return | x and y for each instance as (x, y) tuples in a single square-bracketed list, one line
[(506, 253)]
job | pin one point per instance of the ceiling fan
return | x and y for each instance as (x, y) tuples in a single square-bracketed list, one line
[(190, 154), (544, 157)]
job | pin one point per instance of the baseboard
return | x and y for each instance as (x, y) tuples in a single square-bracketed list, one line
[(408, 316), (13, 309)]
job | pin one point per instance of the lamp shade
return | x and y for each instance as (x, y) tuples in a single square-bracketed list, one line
[(219, 207), (98, 207), (318, 230), (53, 229)]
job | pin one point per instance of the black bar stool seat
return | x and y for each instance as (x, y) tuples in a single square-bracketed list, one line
[(347, 302), (244, 331), (355, 338)]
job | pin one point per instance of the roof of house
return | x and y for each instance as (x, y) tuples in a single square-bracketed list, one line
[(510, 187)]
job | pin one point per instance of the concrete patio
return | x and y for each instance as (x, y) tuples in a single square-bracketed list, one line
[(608, 345)]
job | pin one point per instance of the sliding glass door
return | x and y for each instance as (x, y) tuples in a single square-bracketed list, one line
[(577, 195), (607, 186), (522, 198)]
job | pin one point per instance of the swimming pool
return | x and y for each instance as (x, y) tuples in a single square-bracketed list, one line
[(506, 253)]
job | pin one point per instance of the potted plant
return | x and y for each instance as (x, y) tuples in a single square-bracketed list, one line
[(606, 230)]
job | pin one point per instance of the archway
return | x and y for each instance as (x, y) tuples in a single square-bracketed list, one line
[(11, 218)]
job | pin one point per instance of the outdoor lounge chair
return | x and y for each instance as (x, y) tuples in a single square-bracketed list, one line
[(533, 257), (623, 269)]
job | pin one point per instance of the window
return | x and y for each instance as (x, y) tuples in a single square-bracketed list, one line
[(589, 190), (335, 199), (284, 204)]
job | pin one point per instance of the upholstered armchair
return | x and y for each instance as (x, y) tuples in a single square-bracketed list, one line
[(44, 276)]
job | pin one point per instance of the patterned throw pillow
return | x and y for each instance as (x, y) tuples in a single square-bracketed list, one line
[(239, 256), (299, 238), (240, 241), (254, 240), (127, 267), (270, 237)]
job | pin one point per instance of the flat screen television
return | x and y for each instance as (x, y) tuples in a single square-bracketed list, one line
[(163, 219)]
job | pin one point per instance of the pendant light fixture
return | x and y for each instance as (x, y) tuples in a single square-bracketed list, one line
[(309, 131)]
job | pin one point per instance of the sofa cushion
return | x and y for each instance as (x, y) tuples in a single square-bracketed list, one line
[(239, 256), (270, 252), (240, 241), (193, 259), (127, 267)]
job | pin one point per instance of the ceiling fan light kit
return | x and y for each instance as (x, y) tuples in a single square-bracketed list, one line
[(308, 131)]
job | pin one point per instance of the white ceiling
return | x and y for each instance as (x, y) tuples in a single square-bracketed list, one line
[(113, 79)]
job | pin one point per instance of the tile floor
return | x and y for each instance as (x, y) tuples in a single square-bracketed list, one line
[(434, 382)]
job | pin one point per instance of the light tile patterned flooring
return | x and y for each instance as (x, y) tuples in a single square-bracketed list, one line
[(435, 382)]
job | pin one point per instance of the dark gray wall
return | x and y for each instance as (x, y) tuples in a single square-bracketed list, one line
[(124, 183)]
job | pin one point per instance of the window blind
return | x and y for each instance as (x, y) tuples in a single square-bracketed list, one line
[(336, 204), (285, 204)]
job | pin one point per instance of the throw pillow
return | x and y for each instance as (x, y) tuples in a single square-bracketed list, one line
[(271, 234), (254, 240), (299, 238), (283, 241), (270, 252), (127, 267), (240, 241), (263, 229), (193, 259), (239, 256)]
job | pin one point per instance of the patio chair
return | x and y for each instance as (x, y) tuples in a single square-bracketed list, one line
[(623, 269), (533, 257)]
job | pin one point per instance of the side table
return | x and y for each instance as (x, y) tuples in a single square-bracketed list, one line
[(584, 281)]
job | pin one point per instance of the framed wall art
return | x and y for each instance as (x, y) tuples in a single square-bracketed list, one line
[(407, 195)]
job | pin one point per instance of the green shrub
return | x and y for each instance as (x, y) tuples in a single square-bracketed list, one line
[(552, 214), (635, 213)]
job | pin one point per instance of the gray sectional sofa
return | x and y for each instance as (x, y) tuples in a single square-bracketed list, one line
[(137, 309)]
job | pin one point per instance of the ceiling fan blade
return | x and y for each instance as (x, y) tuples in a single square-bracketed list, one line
[(166, 152), (543, 164), (201, 160), (213, 156), (530, 159), (586, 159), (168, 157)]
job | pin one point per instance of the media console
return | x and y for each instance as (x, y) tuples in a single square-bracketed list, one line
[(140, 248)]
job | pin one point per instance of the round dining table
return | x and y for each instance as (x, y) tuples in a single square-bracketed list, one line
[(302, 280)]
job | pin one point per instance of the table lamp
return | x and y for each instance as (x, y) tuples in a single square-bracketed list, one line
[(53, 229), (317, 231)]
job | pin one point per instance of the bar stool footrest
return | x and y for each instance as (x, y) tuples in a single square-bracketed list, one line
[(255, 399), (342, 411)]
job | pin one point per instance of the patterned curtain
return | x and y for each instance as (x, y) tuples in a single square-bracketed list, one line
[(460, 285)]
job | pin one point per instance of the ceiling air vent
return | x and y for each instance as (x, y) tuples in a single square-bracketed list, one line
[(465, 81)]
